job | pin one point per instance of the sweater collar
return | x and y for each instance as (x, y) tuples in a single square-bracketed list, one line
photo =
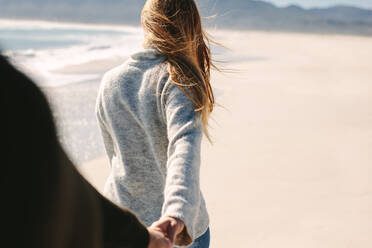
[(146, 53)]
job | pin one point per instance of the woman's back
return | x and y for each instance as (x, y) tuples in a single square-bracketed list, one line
[(150, 130), (128, 106)]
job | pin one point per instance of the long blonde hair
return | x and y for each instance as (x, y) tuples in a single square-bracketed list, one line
[(174, 28)]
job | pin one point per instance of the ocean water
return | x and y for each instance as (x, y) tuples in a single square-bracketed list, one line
[(44, 49)]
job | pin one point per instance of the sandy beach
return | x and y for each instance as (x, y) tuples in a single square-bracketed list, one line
[(291, 160)]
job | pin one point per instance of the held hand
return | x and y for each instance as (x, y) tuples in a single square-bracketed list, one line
[(170, 226), (158, 239)]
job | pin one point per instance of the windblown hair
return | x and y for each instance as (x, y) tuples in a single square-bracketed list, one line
[(174, 28)]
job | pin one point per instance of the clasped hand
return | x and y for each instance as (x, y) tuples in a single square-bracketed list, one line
[(163, 232)]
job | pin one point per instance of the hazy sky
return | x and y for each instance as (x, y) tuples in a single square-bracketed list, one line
[(322, 3)]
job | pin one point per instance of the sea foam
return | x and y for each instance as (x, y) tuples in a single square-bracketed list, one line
[(44, 49)]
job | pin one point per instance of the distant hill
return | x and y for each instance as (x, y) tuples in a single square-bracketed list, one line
[(259, 15), (237, 14), (89, 11)]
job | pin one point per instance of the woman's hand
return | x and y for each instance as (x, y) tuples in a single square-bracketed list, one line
[(169, 226), (158, 239)]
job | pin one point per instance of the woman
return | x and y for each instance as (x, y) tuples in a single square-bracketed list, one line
[(45, 202), (152, 111)]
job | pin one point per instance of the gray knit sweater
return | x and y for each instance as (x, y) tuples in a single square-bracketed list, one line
[(152, 138)]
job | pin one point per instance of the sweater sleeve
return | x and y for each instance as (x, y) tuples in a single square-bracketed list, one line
[(182, 190)]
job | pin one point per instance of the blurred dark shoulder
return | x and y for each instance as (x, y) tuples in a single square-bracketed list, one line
[(45, 201)]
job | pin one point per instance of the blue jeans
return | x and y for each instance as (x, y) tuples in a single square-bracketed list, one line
[(202, 241)]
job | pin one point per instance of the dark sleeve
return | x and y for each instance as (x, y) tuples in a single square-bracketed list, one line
[(121, 228)]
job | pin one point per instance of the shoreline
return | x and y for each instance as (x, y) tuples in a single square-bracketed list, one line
[(62, 24), (137, 28)]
